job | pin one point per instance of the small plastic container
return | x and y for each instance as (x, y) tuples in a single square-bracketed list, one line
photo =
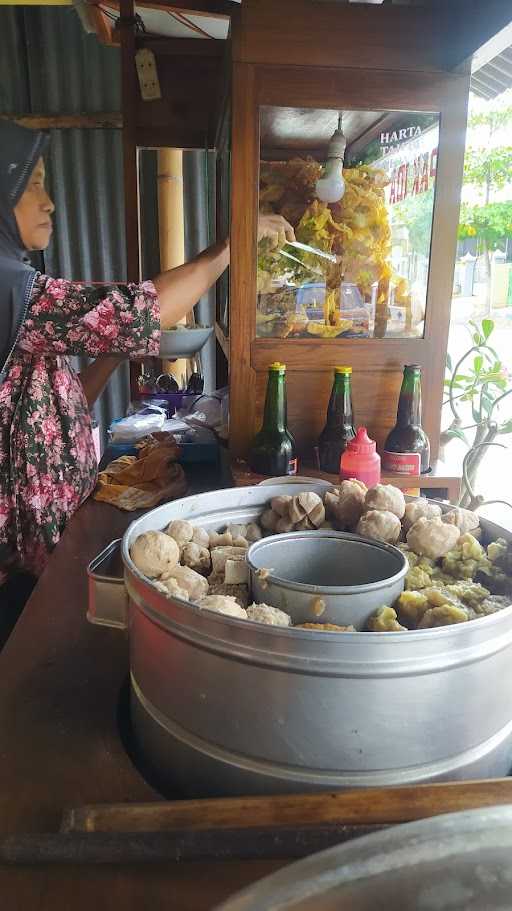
[(361, 460)]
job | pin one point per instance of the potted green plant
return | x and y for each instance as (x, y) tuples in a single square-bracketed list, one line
[(477, 386)]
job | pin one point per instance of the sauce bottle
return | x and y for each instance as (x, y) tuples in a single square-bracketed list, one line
[(407, 448), (339, 426), (273, 450), (360, 460)]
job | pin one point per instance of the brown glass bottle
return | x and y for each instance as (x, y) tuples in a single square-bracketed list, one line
[(273, 451), (339, 426), (408, 437)]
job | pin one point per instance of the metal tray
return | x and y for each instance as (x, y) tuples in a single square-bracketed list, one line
[(448, 863)]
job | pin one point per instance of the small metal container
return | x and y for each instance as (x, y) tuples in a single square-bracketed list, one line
[(326, 576), (108, 598)]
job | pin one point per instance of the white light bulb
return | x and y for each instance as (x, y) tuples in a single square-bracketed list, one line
[(331, 186)]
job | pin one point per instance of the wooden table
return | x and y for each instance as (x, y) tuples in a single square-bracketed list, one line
[(442, 482), (60, 683), (60, 748)]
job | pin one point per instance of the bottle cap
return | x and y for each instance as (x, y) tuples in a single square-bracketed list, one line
[(362, 443), (412, 367), (278, 367), (346, 370)]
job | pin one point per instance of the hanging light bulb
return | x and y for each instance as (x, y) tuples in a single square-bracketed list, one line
[(330, 187)]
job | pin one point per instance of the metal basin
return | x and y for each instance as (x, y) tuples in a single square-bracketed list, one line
[(456, 862), (326, 576), (223, 706)]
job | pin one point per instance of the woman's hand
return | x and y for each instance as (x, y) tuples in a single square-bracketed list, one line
[(276, 229), (181, 288)]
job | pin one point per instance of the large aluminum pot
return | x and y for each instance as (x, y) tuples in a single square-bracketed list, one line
[(223, 706), (326, 576), (457, 862)]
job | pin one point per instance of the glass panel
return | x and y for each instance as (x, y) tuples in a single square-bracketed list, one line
[(373, 281)]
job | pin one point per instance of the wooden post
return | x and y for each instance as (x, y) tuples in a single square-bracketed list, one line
[(130, 88), (170, 208), (171, 224)]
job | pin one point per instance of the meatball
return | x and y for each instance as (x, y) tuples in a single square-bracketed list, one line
[(181, 530), (223, 604), (432, 537), (201, 537), (464, 519), (196, 557), (387, 498), (281, 505), (272, 616), (192, 582), (306, 510), (345, 504), (269, 520), (381, 525), (171, 589), (419, 508), (154, 552), (253, 532)]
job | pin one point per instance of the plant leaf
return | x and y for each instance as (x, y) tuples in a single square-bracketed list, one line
[(478, 363), (487, 327), (456, 433), (506, 427), (449, 363)]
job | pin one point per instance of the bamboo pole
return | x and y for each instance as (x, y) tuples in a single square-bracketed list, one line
[(171, 223)]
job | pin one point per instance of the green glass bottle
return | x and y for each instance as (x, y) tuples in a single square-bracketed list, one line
[(408, 440), (339, 426), (273, 451)]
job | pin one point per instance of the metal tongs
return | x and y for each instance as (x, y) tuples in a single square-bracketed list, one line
[(307, 249)]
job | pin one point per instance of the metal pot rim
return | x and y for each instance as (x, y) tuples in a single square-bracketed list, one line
[(330, 589)]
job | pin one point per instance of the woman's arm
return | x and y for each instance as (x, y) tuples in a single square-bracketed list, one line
[(95, 376), (180, 288)]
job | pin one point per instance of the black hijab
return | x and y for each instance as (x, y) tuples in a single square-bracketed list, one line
[(20, 150)]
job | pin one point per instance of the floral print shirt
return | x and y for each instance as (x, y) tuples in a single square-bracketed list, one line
[(47, 458)]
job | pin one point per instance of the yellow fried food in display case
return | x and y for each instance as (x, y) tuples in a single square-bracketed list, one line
[(359, 267)]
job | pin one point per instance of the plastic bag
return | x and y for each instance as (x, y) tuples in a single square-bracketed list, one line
[(207, 410), (135, 426)]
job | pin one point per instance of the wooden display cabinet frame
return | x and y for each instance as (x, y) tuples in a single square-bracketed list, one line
[(364, 81)]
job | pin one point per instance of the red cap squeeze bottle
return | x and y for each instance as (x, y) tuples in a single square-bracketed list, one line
[(361, 460)]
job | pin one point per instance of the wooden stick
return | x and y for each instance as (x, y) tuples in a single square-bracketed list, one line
[(157, 847), (369, 806), (109, 121)]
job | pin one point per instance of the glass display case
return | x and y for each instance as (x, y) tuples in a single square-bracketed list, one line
[(356, 138), (359, 266)]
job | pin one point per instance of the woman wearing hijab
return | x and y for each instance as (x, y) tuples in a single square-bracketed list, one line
[(47, 458)]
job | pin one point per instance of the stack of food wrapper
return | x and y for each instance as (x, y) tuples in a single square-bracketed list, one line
[(142, 481)]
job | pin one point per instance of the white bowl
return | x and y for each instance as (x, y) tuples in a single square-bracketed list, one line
[(176, 343)]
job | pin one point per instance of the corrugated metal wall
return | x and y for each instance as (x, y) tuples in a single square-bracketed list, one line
[(49, 65)]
